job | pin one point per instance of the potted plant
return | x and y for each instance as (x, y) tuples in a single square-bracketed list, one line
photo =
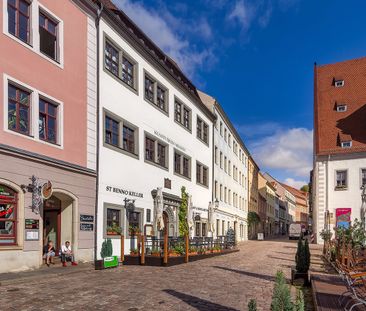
[(216, 249), (114, 229), (192, 250), (155, 252), (302, 259), (134, 230), (108, 260), (134, 252)]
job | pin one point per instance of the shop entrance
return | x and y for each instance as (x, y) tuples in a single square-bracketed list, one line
[(52, 222)]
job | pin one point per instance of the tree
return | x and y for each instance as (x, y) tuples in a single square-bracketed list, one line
[(305, 188), (183, 225), (107, 249), (300, 257), (281, 299), (307, 255), (252, 305)]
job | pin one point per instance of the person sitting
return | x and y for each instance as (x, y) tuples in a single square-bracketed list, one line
[(67, 254), (49, 253)]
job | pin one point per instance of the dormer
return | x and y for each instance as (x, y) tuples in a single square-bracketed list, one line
[(345, 140), (341, 107), (338, 82)]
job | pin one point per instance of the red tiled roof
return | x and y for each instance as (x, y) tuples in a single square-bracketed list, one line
[(332, 127)]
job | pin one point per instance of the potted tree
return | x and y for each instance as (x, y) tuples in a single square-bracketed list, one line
[(155, 252), (302, 262), (134, 252), (108, 260), (192, 250)]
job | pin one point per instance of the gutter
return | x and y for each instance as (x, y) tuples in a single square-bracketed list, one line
[(97, 20)]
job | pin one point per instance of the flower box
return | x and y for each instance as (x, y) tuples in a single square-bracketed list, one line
[(112, 233), (192, 253), (155, 254), (135, 254), (174, 254)]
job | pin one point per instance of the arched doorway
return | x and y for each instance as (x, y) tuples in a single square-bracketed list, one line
[(61, 220)]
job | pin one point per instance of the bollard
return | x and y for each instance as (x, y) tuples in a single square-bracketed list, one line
[(122, 248), (165, 260), (142, 250), (186, 240)]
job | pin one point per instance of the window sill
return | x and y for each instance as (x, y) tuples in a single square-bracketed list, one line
[(120, 150), (157, 165), (187, 129), (340, 188), (202, 141), (11, 248), (180, 175), (165, 112), (202, 185), (118, 79)]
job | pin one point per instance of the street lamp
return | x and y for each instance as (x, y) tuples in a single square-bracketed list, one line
[(216, 204)]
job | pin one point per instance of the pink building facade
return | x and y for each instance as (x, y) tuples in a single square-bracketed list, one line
[(47, 130)]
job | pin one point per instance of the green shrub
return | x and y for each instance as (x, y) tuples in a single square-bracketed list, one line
[(252, 305), (299, 304), (281, 299), (107, 249), (300, 258), (307, 255), (182, 214)]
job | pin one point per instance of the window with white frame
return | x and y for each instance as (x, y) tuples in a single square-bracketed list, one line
[(19, 20), (201, 174), (339, 83), (341, 179), (48, 36), (202, 130), (182, 114), (346, 144), (182, 164), (32, 113), (341, 107), (363, 177)]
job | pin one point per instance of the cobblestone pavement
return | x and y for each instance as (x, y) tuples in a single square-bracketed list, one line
[(221, 283)]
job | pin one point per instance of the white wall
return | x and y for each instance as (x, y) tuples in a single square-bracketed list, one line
[(326, 196), (227, 211), (123, 171)]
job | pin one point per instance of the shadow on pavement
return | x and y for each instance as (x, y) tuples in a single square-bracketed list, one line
[(252, 274), (280, 258), (196, 302)]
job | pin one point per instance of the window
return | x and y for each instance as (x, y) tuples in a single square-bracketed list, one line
[(113, 218), (111, 59), (216, 190), (182, 115), (128, 139), (121, 134), (201, 174), (127, 71), (202, 130), (229, 196), (48, 36), (155, 93), (220, 192), (111, 131), (122, 66), (225, 165), (225, 134), (182, 164), (8, 216), (18, 109), (134, 222), (229, 168), (156, 151), (203, 229), (220, 159), (339, 83), (198, 229), (217, 226), (363, 177), (341, 179), (18, 19), (229, 140), (220, 128), (342, 108), (346, 144), (148, 215), (216, 157), (223, 227), (225, 195), (47, 121)]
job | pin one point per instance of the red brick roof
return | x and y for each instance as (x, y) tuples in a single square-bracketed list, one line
[(332, 127)]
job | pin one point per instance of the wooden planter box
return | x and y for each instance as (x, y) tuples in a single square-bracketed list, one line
[(155, 254), (192, 253), (174, 254), (134, 254), (106, 263), (112, 233)]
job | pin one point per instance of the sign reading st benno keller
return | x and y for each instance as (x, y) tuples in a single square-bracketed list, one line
[(124, 192)]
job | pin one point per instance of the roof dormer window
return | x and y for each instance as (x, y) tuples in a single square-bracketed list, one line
[(346, 144), (341, 107), (338, 83)]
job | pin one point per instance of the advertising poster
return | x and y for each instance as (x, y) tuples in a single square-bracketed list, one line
[(343, 217)]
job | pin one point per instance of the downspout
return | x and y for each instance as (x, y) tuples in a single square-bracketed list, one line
[(97, 20), (213, 158)]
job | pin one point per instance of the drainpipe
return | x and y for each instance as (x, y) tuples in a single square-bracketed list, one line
[(97, 20)]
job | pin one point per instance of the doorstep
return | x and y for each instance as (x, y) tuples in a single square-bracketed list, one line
[(40, 273)]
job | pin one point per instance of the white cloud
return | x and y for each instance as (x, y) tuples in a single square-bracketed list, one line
[(295, 183), (260, 129), (242, 13), (163, 33), (290, 150)]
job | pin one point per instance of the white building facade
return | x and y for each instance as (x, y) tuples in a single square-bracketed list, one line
[(230, 185), (155, 133)]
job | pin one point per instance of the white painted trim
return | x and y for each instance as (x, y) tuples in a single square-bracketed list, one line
[(34, 112), (34, 33)]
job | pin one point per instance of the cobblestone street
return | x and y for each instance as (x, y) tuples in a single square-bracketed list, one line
[(220, 283)]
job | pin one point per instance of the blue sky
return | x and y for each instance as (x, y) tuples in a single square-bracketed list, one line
[(256, 58)]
